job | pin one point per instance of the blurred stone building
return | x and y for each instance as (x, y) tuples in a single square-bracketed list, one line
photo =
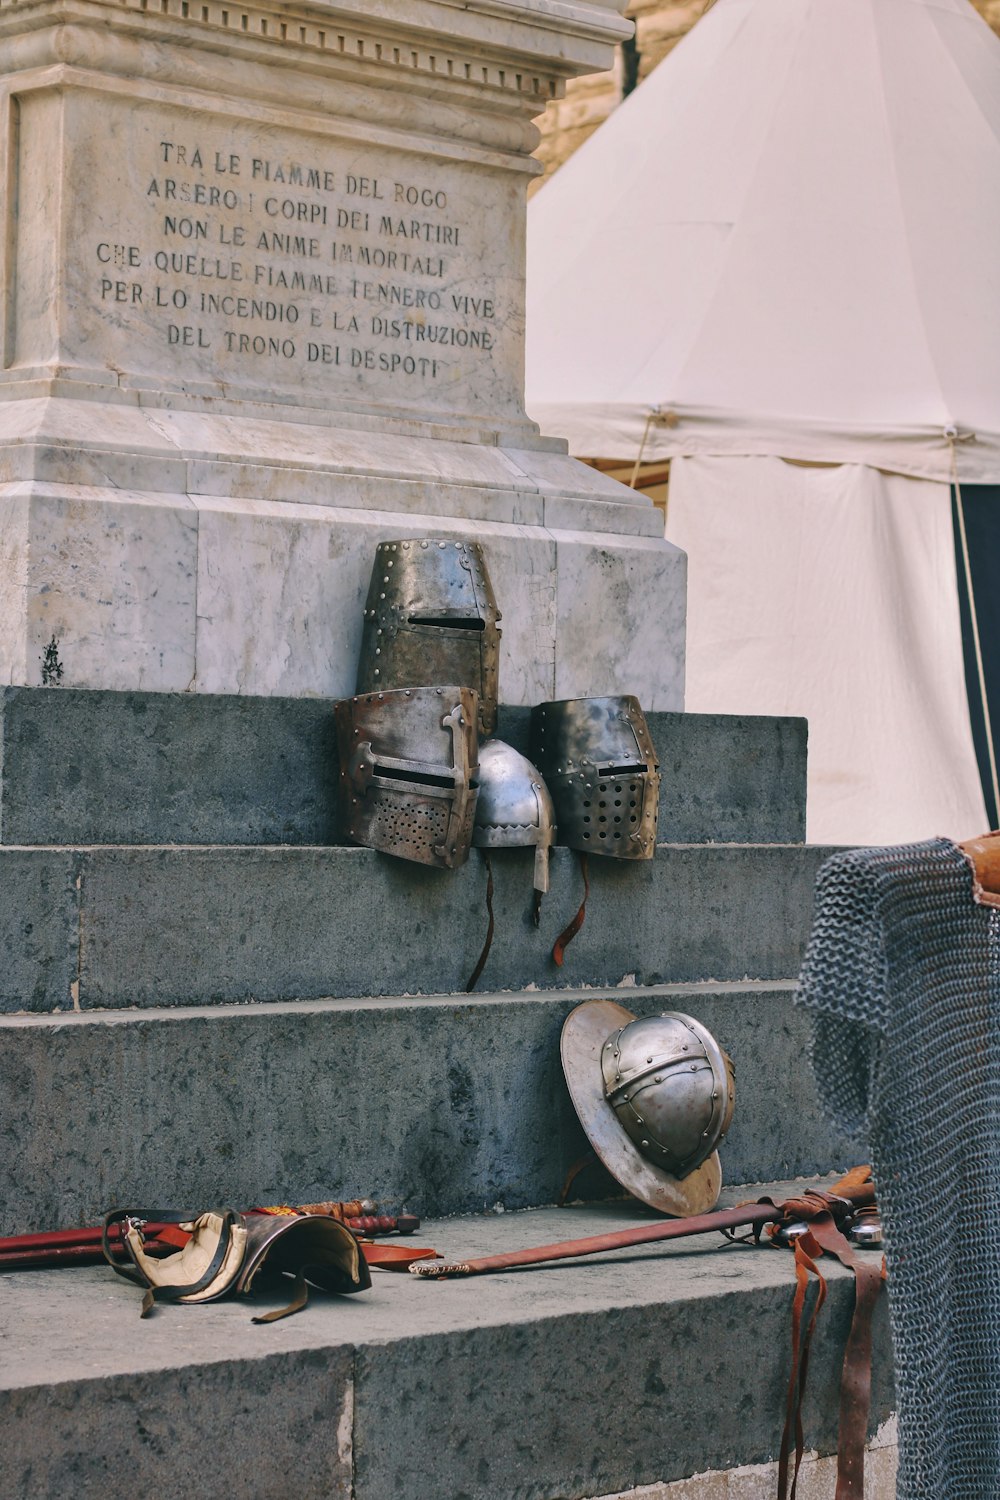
[(659, 26)]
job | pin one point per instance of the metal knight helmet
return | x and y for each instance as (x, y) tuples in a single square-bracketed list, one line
[(431, 616), (514, 807), (655, 1097), (409, 772), (598, 760)]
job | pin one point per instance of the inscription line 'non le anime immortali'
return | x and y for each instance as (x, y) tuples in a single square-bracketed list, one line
[(235, 259)]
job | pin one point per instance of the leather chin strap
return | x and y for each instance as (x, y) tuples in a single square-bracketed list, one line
[(567, 935), (474, 977)]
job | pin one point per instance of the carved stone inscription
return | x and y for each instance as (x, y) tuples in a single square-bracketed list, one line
[(282, 261)]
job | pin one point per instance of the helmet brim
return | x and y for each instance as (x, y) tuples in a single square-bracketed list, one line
[(584, 1033)]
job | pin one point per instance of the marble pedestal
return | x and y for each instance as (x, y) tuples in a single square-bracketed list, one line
[(262, 308)]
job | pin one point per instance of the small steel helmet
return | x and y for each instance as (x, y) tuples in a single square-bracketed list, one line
[(514, 807), (598, 760), (431, 616), (409, 772), (655, 1097)]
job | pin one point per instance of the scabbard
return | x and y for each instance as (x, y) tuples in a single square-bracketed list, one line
[(641, 1234)]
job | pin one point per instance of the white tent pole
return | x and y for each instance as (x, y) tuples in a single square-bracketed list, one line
[(974, 618)]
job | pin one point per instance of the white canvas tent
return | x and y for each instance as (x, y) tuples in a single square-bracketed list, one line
[(777, 264)]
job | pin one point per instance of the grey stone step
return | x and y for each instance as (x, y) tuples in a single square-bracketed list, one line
[(80, 767), (113, 926), (548, 1384), (439, 1105)]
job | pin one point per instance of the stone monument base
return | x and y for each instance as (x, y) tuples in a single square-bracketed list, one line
[(144, 547), (261, 307)]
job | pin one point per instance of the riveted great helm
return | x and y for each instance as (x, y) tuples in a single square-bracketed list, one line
[(598, 760), (409, 772), (655, 1097), (514, 807), (431, 616)]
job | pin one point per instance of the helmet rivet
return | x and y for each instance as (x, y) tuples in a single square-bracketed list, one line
[(649, 1059), (423, 544), (442, 544), (646, 1145), (378, 650), (376, 674), (715, 1094), (657, 1079)]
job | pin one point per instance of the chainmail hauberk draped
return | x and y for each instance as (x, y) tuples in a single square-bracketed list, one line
[(902, 982)]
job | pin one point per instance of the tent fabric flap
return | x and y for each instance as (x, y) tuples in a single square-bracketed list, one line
[(786, 238), (832, 593)]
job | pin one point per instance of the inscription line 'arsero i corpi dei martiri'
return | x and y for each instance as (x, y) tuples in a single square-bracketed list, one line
[(244, 255)]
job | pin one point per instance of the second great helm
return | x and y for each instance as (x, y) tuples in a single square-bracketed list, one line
[(431, 617), (598, 760)]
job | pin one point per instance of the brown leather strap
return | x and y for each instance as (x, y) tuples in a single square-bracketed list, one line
[(589, 1159), (806, 1254), (474, 977), (567, 935), (395, 1257), (856, 1379), (300, 1296)]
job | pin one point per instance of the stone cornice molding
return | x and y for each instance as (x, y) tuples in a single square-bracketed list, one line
[(516, 52)]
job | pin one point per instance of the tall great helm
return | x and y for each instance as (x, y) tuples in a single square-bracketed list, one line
[(655, 1097), (598, 760), (430, 617), (409, 772)]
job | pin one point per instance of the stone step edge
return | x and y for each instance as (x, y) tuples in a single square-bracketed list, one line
[(127, 1015), (246, 850), (456, 1237)]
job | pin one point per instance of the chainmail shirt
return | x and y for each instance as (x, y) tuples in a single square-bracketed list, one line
[(902, 980)]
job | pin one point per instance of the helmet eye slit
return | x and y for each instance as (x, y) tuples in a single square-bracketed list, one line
[(417, 778), (449, 622)]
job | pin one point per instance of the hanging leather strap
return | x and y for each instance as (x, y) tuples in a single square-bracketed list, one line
[(856, 1378), (567, 935), (474, 977), (806, 1254)]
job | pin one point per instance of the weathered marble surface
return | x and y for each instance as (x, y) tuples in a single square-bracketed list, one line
[(197, 593), (256, 206), (263, 305)]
